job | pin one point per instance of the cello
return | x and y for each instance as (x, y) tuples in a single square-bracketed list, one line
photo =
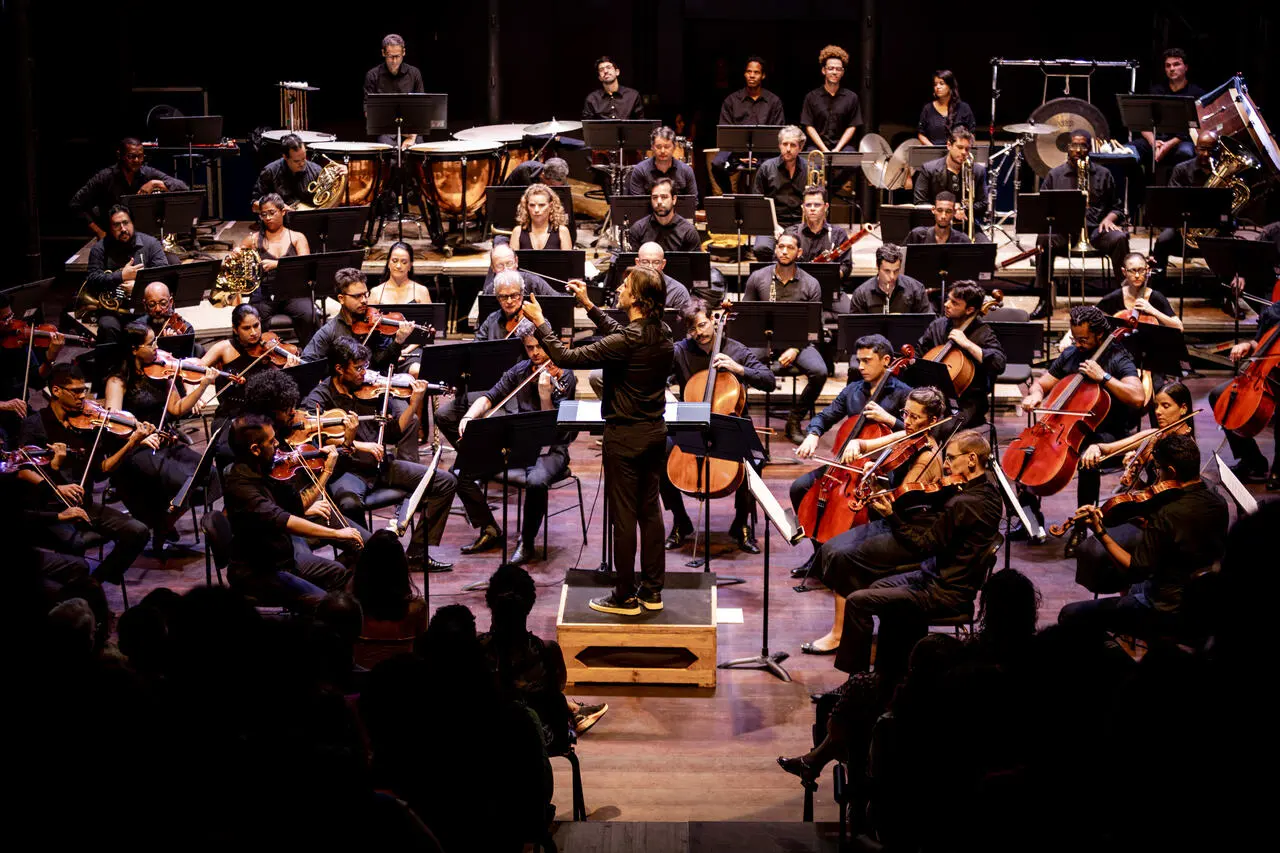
[(959, 364), (1044, 457), (704, 476), (1249, 401), (829, 508)]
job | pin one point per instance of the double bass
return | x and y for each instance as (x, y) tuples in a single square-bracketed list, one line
[(704, 476), (1249, 402), (1044, 457)]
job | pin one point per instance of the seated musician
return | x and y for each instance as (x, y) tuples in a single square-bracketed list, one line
[(351, 288), (161, 317), (962, 325), (508, 286), (551, 388), (541, 221), (942, 230), (1169, 150), (663, 164), (1135, 293), (398, 286), (272, 521), (663, 225), (1118, 376), (944, 175), (394, 76), (817, 235), (232, 355), (553, 173), (693, 355), (831, 113), (273, 242), (834, 560), (611, 100), (890, 292), (153, 473), (1189, 173), (289, 176), (752, 104), (367, 468), (1184, 535), (129, 176), (114, 262), (21, 368), (872, 354), (947, 547), (49, 427), (944, 112), (1104, 218), (1251, 465), (783, 179), (503, 258), (786, 282)]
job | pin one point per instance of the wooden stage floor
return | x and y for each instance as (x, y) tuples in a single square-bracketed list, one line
[(686, 754)]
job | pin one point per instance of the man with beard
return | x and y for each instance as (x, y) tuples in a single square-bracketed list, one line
[(945, 175), (114, 262), (394, 76), (612, 100), (662, 164), (663, 225)]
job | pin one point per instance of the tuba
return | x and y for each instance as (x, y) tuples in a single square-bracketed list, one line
[(966, 192), (1232, 161), (816, 166), (240, 275), (329, 186)]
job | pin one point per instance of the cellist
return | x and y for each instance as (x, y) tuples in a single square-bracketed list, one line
[(1251, 465), (961, 324), (1117, 374), (872, 354), (693, 355)]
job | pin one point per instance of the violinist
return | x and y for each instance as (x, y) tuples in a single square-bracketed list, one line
[(351, 289), (1135, 294), (1117, 374), (872, 354), (947, 548), (553, 386), (154, 471), (21, 367), (961, 324), (1185, 534), (51, 427), (161, 317), (509, 288), (693, 355), (367, 468), (834, 559), (817, 234), (236, 354), (274, 242), (1251, 465)]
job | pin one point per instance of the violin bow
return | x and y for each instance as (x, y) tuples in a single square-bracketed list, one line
[(88, 463), (26, 371), (164, 411), (1132, 442), (903, 438), (27, 457)]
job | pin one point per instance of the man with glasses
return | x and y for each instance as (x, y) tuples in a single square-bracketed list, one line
[(114, 262), (1135, 293), (129, 176), (161, 317), (508, 286), (816, 234), (942, 230), (503, 258), (72, 511), (394, 76), (351, 289)]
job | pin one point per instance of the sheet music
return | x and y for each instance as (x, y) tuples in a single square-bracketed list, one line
[(1248, 505), (1012, 496), (783, 520)]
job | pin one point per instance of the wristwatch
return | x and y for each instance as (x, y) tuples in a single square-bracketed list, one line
[(1106, 377)]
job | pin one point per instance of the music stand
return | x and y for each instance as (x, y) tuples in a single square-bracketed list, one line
[(827, 274), (692, 269), (1252, 260), (559, 311), (187, 283), (921, 373), (435, 314), (773, 327), (330, 229), (27, 300), (1158, 114), (747, 137), (752, 215), (626, 210), (308, 375), (299, 275), (153, 212), (1184, 208), (1051, 212), (408, 112), (936, 264), (1159, 349), (900, 329), (559, 265), (500, 203), (470, 364), (897, 220), (188, 132)]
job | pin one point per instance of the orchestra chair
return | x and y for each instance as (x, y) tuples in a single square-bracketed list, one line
[(963, 623), (516, 481), (1020, 353), (217, 544), (381, 498)]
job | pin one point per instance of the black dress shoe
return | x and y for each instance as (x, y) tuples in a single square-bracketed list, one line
[(799, 767), (1073, 541), (794, 433), (435, 566), (803, 569), (810, 649), (1041, 311), (1250, 473), (745, 537), (676, 537), (524, 553), (489, 538)]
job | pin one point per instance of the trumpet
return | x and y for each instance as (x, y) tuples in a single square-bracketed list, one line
[(817, 174), (966, 193)]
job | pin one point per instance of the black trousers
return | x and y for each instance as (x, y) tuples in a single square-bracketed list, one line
[(810, 364), (1121, 614), (111, 326), (301, 311), (350, 489), (1113, 244), (1089, 480), (905, 603), (1095, 570), (305, 585), (148, 481), (128, 534), (57, 569), (633, 458), (673, 500), (1245, 448)]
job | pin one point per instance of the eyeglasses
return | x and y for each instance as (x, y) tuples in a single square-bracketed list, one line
[(1136, 270), (508, 297), (953, 456), (81, 391), (360, 297)]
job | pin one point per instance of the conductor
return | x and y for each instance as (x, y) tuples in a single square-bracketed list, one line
[(636, 359)]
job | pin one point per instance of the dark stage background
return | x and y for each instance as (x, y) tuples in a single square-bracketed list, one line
[(82, 63)]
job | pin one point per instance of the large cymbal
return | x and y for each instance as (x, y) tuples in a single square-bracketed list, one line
[(1064, 115), (550, 128), (874, 170), (1029, 127)]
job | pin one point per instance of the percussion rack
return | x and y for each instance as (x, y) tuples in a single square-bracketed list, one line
[(293, 104), (1068, 69)]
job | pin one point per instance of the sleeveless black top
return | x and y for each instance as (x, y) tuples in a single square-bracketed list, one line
[(526, 240)]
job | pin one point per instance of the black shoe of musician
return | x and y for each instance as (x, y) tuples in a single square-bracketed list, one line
[(794, 433), (1041, 311), (489, 538), (1250, 472), (436, 567), (745, 537), (610, 604), (803, 570), (1074, 540), (650, 599), (679, 533), (525, 552)]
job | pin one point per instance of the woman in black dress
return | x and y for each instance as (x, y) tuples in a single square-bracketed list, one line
[(944, 112)]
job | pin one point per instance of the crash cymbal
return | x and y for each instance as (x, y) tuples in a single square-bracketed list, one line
[(1065, 115), (504, 133), (1030, 127), (552, 127), (874, 170)]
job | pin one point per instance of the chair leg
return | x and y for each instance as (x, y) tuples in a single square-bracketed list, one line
[(195, 522), (208, 565), (579, 802), (582, 512), (124, 591)]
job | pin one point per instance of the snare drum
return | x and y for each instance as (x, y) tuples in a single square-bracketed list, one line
[(454, 175), (509, 136), (366, 164)]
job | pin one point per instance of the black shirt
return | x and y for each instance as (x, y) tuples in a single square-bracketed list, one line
[(528, 399), (94, 200), (908, 297), (326, 396), (1113, 302), (830, 115), (740, 108), (525, 174), (677, 294), (636, 359), (1269, 317), (646, 173), (678, 235), (1182, 537), (259, 510), (1102, 191), (1190, 90), (1115, 361), (43, 428), (801, 288), (291, 186), (494, 327), (928, 234), (853, 398), (378, 80), (813, 244), (689, 358), (109, 255), (622, 104), (993, 358), (1189, 174), (937, 127), (934, 177), (383, 348), (786, 190)]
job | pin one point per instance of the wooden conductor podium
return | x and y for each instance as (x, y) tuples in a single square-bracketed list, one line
[(675, 645)]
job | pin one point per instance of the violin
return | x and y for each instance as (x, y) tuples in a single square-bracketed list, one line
[(387, 324), (1045, 455), (117, 422), (1129, 507), (287, 463), (1249, 401), (400, 385), (918, 489), (1142, 456), (960, 366), (15, 333), (707, 476), (828, 508), (31, 454), (330, 424), (276, 351), (188, 369), (174, 325)]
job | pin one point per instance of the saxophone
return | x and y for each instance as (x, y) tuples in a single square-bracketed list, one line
[(966, 193), (239, 275), (1082, 184)]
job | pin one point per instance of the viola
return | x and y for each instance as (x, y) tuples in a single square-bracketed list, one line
[(387, 324), (330, 424), (1046, 454), (118, 422), (707, 476), (190, 370), (1249, 401), (15, 333), (1130, 506), (1142, 456), (287, 463), (918, 489), (275, 350), (174, 325), (828, 509)]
